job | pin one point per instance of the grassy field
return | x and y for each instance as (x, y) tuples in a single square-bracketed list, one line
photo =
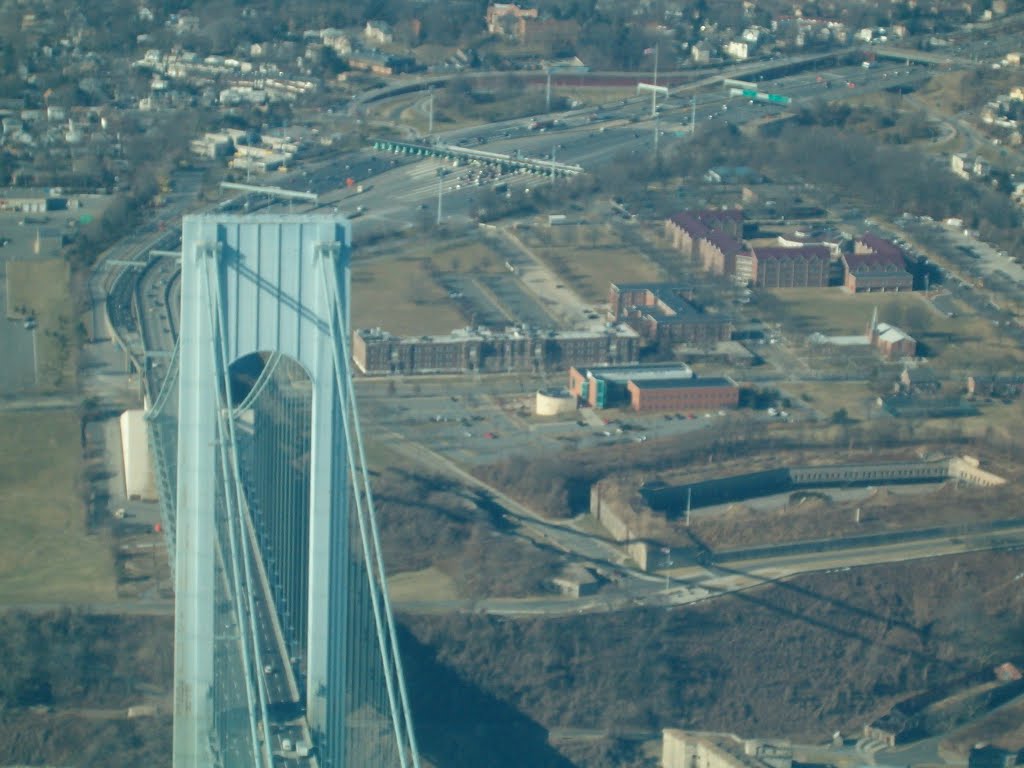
[(401, 297), (589, 258), (427, 584), (954, 343), (42, 289), (46, 554), (828, 396), (401, 300)]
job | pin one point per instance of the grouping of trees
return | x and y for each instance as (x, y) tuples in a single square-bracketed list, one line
[(823, 652), (70, 659), (428, 520), (892, 124)]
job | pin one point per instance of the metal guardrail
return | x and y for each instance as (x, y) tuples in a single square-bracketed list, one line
[(868, 540)]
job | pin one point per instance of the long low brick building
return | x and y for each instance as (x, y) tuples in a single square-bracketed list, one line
[(376, 352), (652, 388)]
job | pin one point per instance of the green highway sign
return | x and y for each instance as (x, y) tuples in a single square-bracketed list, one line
[(775, 98), (749, 93)]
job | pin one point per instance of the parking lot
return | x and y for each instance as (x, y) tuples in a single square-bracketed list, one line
[(480, 423), (510, 294)]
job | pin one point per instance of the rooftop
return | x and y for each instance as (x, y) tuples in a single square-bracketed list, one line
[(882, 263), (640, 373), (485, 334), (879, 244), (691, 383), (726, 243), (779, 253), (891, 334), (670, 306)]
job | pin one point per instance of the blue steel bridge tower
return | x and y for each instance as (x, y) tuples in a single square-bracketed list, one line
[(277, 559)]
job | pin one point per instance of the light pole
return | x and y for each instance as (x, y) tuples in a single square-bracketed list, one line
[(35, 357), (547, 92), (441, 173), (430, 114), (668, 564), (654, 90)]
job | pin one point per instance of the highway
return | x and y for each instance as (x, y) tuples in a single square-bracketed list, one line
[(396, 186)]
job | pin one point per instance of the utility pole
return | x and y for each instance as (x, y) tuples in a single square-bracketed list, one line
[(657, 133), (441, 172)]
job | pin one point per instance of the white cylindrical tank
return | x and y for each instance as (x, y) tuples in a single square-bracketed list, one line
[(554, 402)]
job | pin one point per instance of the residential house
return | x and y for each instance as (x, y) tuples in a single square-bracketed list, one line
[(737, 49), (920, 380), (509, 20), (378, 33), (1005, 386)]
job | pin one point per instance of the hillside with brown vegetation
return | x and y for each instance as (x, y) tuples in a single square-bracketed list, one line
[(66, 684), (801, 659)]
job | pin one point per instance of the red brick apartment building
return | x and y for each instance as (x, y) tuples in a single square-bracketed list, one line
[(876, 265), (718, 252), (721, 229), (806, 266), (659, 312)]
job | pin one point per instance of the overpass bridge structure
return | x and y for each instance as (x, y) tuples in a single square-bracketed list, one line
[(285, 644), (504, 162)]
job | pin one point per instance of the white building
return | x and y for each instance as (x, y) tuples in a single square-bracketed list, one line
[(337, 41), (737, 49), (378, 32)]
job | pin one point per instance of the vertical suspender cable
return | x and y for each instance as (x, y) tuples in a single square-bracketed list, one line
[(350, 429), (375, 534), (235, 576), (340, 331)]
